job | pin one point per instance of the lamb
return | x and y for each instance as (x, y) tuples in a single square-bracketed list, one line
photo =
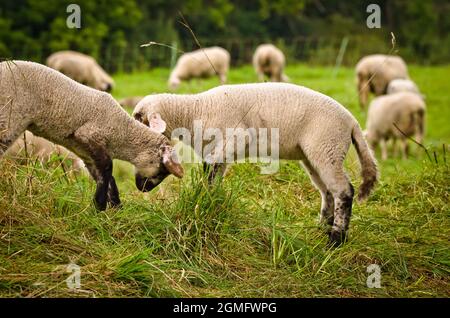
[(42, 149), (268, 60), (81, 68), (130, 101), (374, 72), (405, 110), (86, 121), (402, 85), (312, 127), (201, 63)]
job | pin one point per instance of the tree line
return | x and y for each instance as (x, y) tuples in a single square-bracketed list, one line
[(308, 30)]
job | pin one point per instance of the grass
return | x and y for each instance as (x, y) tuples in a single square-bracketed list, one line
[(251, 235)]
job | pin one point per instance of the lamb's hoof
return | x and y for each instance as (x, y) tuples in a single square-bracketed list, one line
[(100, 206), (336, 238), (116, 205)]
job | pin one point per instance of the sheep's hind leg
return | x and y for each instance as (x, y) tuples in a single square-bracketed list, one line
[(4, 145), (8, 137), (214, 170), (327, 208), (384, 150), (342, 190), (405, 148)]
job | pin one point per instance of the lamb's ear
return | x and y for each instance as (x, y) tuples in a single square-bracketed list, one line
[(156, 123), (170, 161)]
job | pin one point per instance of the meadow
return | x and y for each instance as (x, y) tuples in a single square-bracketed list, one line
[(251, 235)]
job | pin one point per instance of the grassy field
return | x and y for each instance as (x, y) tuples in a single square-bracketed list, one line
[(252, 235)]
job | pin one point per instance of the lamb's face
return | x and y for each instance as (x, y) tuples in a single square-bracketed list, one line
[(151, 169), (147, 111), (173, 82), (150, 176), (106, 87)]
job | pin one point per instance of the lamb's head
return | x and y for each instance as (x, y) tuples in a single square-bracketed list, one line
[(174, 81), (148, 110), (106, 86), (152, 167), (101, 80)]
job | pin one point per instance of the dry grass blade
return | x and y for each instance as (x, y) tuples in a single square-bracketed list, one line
[(413, 140), (392, 50), (186, 25)]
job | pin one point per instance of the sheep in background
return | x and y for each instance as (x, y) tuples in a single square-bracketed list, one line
[(269, 61), (374, 72), (42, 149), (402, 85), (130, 101), (313, 128), (405, 110), (81, 68), (86, 121), (202, 63)]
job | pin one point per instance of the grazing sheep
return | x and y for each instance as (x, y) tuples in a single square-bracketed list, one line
[(42, 149), (312, 127), (402, 85), (374, 72), (268, 60), (81, 68), (201, 63), (404, 109), (130, 101), (86, 121)]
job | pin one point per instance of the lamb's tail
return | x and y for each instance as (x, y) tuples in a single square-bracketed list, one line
[(369, 170)]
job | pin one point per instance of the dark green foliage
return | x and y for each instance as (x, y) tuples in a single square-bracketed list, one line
[(112, 31)]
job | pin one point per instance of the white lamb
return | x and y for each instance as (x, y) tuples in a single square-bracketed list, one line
[(42, 149), (313, 128), (402, 85), (202, 63), (268, 60), (395, 116), (86, 121), (82, 68)]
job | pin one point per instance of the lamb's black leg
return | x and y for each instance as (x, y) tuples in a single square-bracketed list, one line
[(101, 170), (104, 167), (4, 144), (211, 170), (113, 193), (342, 214), (327, 210)]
